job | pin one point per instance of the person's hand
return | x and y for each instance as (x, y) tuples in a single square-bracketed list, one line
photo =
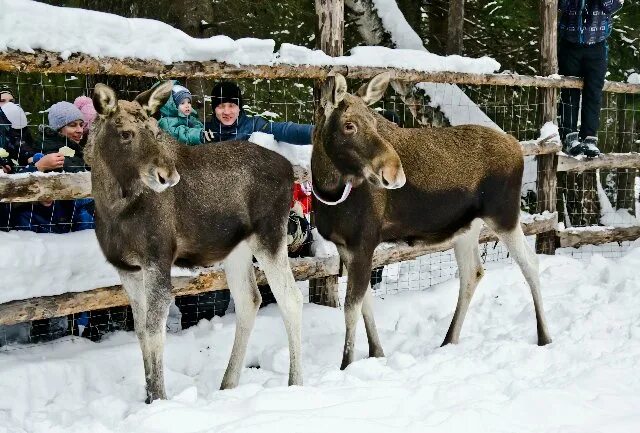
[(207, 135), (50, 161)]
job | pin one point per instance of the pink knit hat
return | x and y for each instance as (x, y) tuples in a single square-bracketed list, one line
[(85, 104)]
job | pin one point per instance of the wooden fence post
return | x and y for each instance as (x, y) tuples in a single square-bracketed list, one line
[(329, 38), (547, 164)]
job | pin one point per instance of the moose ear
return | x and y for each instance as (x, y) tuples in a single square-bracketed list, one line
[(105, 100), (375, 89), (151, 100), (339, 89)]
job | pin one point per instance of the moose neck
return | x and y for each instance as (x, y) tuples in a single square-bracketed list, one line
[(327, 181)]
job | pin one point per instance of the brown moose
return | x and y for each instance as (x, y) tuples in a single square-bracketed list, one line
[(430, 184), (160, 203)]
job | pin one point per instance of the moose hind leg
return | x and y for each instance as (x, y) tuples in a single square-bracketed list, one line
[(283, 285), (241, 279), (527, 260), (471, 272), (149, 292)]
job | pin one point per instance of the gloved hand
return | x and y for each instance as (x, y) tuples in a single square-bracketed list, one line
[(207, 136)]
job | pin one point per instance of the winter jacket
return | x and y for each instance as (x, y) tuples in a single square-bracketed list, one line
[(294, 133), (185, 129), (51, 141), (61, 216), (586, 22)]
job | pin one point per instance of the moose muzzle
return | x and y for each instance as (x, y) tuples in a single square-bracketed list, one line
[(159, 179)]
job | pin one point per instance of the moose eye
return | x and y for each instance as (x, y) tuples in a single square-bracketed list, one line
[(350, 128), (126, 135)]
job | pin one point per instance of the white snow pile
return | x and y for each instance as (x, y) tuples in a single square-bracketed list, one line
[(633, 78), (44, 264), (496, 380), (448, 98), (26, 26), (296, 154)]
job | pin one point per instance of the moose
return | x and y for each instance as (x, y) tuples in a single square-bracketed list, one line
[(160, 203), (374, 181)]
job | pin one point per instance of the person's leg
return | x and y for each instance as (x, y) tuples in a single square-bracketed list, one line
[(569, 63), (595, 69)]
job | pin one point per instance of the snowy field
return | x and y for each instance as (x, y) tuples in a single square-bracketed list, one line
[(495, 380)]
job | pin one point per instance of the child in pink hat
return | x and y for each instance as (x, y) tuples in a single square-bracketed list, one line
[(85, 104)]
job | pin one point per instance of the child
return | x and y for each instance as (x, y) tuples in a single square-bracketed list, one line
[(179, 119)]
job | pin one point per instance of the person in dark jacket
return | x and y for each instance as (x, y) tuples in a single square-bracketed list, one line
[(6, 95), (16, 143), (60, 149), (230, 122), (583, 29)]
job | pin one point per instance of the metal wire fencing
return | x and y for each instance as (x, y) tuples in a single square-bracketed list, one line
[(516, 110)]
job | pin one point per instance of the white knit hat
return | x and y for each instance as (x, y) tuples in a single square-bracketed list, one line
[(15, 114)]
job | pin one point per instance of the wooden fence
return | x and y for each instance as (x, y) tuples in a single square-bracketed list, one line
[(21, 188)]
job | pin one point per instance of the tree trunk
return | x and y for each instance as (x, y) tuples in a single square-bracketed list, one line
[(547, 164), (329, 38), (455, 27)]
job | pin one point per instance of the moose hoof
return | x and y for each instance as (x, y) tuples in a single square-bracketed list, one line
[(376, 353), (152, 397), (543, 341)]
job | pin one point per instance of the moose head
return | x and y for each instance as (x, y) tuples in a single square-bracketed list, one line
[(352, 140), (129, 141)]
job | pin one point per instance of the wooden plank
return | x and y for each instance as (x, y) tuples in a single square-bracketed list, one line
[(596, 236), (49, 62), (305, 268), (546, 146), (605, 160), (53, 186), (67, 186)]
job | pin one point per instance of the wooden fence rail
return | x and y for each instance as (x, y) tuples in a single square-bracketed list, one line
[(50, 63), (213, 278)]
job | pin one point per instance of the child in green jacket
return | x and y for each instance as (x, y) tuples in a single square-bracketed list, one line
[(179, 119)]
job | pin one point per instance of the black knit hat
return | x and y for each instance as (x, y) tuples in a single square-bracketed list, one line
[(226, 91)]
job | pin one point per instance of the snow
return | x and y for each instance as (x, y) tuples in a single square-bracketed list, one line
[(495, 380), (633, 78), (26, 27), (44, 264), (296, 154), (449, 98), (609, 216)]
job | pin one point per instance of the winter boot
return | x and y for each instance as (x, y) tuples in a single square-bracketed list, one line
[(590, 145), (572, 145)]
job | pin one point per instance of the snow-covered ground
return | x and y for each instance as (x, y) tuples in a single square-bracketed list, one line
[(495, 380)]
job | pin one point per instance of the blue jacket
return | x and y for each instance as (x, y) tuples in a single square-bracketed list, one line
[(294, 133), (586, 22)]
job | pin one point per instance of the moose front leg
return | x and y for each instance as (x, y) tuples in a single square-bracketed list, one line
[(149, 292), (358, 263)]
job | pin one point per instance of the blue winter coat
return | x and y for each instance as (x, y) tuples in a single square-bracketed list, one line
[(294, 133), (586, 21)]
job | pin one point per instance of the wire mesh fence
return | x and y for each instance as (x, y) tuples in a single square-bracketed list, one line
[(607, 198)]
